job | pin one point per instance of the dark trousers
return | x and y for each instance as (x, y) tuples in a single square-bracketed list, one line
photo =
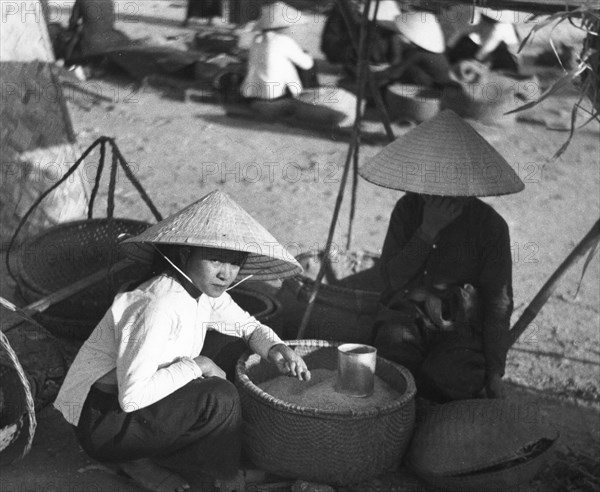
[(446, 365), (197, 427)]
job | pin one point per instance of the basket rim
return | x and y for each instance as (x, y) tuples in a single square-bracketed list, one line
[(306, 281), (266, 399), (552, 434), (21, 272), (29, 403), (475, 477)]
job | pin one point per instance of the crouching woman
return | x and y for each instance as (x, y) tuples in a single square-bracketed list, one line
[(142, 391)]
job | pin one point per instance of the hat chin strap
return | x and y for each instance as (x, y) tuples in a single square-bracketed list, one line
[(193, 286), (186, 277), (238, 283)]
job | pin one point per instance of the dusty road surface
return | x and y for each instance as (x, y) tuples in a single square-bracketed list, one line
[(288, 178)]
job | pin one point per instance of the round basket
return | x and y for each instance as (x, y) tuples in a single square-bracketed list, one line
[(345, 308), (66, 253), (323, 445), (263, 307), (412, 102), (17, 411), (481, 444), (326, 106), (505, 479)]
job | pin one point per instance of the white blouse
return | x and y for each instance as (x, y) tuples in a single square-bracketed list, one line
[(271, 66), (151, 336)]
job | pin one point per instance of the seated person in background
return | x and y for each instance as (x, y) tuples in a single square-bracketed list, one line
[(446, 261), (92, 31), (275, 58), (150, 390), (491, 39), (336, 40), (421, 58), (410, 43)]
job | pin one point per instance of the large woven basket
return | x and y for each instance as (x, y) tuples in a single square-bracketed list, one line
[(412, 102), (344, 310), (68, 252), (17, 412), (323, 445), (481, 444)]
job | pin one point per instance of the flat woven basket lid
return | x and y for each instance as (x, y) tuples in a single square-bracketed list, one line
[(472, 435)]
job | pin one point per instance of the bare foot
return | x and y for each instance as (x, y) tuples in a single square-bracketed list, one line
[(152, 477), (234, 484)]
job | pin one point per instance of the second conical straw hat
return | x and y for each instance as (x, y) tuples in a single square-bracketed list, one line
[(278, 15), (216, 221), (442, 156)]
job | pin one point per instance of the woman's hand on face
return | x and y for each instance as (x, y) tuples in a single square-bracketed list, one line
[(439, 212), (209, 368), (289, 362)]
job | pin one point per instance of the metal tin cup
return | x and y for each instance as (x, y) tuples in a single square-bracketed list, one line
[(356, 369)]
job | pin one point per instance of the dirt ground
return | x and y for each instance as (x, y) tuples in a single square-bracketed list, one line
[(288, 179)]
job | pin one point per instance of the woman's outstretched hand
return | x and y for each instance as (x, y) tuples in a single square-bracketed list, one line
[(209, 368), (289, 362)]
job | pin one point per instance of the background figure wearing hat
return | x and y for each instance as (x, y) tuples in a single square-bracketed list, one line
[(336, 40), (421, 58), (275, 59), (92, 31), (446, 260), (491, 39), (147, 390)]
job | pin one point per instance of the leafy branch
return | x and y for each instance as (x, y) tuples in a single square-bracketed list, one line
[(585, 76)]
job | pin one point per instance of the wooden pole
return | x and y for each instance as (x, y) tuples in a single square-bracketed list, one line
[(590, 240), (362, 63), (346, 11)]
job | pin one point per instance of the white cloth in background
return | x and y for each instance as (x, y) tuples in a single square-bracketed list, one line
[(489, 40), (271, 66), (151, 336)]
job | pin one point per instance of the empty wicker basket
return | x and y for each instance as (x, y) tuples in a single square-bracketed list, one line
[(66, 253), (323, 445), (347, 303)]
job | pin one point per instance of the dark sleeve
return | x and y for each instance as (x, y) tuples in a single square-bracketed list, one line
[(406, 247), (497, 295)]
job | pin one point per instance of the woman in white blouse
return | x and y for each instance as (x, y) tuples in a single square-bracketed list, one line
[(142, 392), (274, 56)]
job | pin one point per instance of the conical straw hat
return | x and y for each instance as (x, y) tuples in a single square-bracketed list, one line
[(277, 15), (423, 29), (386, 13), (442, 156), (216, 221)]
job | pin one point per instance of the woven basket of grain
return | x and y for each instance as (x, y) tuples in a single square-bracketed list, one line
[(17, 411), (348, 298), (324, 445)]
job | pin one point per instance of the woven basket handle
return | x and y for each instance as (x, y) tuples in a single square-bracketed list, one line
[(117, 159)]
